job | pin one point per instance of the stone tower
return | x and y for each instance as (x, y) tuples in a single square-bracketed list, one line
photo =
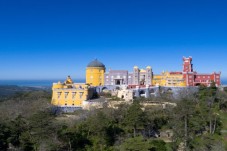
[(95, 73), (148, 77), (187, 64), (136, 75)]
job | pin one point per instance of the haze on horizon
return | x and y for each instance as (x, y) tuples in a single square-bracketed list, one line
[(49, 39)]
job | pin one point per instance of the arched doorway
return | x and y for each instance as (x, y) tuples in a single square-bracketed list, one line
[(104, 88), (197, 84), (118, 82)]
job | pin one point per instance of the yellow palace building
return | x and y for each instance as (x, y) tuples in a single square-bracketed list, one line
[(70, 94), (169, 79), (95, 73)]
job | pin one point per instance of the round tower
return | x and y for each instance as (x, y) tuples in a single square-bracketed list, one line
[(95, 73)]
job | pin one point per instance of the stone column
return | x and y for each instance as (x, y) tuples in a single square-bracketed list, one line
[(137, 94), (147, 92)]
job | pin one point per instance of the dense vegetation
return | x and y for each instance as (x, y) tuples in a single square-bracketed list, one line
[(197, 123)]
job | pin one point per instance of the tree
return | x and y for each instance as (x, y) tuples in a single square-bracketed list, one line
[(182, 115), (4, 135), (158, 145), (140, 144), (17, 126), (136, 144), (73, 139), (135, 117)]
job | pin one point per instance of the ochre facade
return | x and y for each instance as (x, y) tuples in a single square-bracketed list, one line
[(69, 94), (95, 73), (169, 79), (95, 76)]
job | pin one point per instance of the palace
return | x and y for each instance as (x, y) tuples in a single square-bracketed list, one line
[(186, 77), (169, 79), (96, 76), (70, 94), (123, 77), (192, 78)]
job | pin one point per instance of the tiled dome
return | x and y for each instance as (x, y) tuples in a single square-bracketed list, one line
[(96, 63)]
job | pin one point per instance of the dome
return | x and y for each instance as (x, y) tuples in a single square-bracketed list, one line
[(58, 85), (96, 63)]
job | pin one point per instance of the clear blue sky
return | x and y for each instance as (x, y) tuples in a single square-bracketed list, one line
[(50, 39)]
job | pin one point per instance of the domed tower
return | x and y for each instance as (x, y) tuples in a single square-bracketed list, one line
[(95, 73)]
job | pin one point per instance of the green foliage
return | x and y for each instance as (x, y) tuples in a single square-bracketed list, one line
[(206, 142), (158, 145), (135, 117), (136, 144), (73, 139), (26, 141), (4, 136), (207, 92), (140, 144), (17, 127)]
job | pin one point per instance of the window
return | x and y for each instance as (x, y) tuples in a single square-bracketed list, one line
[(73, 95), (59, 95), (129, 77), (107, 76), (66, 94), (81, 94)]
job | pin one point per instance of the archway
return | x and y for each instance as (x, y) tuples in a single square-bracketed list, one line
[(198, 84), (169, 90), (104, 88), (152, 91), (142, 92), (118, 82)]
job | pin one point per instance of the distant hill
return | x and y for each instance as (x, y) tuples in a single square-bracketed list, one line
[(8, 90)]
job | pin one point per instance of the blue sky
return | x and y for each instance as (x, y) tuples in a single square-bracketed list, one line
[(50, 39)]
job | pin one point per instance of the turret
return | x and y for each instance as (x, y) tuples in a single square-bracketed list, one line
[(187, 64)]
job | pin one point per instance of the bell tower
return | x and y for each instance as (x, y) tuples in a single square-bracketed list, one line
[(136, 75), (187, 64)]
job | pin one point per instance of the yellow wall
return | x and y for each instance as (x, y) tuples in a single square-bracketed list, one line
[(70, 94), (167, 79), (95, 76)]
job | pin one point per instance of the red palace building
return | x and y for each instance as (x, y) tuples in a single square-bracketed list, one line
[(192, 78)]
